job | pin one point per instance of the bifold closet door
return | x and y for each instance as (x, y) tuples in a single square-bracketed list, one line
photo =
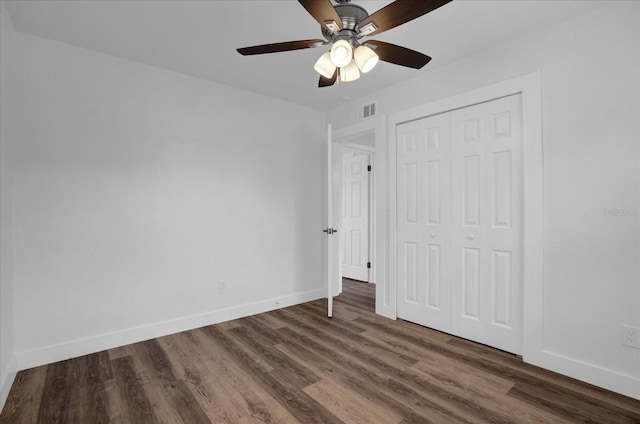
[(487, 223), (424, 221), (459, 201)]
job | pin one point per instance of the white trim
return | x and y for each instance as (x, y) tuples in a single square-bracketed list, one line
[(6, 380), (529, 86), (75, 348), (379, 236), (357, 147), (591, 373)]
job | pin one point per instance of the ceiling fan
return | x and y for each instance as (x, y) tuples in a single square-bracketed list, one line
[(344, 26)]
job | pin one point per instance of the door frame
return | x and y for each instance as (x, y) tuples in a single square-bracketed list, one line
[(530, 87), (378, 195)]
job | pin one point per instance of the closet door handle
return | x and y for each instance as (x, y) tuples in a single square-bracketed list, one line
[(432, 235), (471, 237)]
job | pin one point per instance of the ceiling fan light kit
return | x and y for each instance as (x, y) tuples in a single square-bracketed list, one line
[(341, 53), (365, 58), (343, 27), (350, 72), (324, 66)]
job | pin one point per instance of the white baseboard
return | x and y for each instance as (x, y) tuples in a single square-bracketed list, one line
[(7, 376), (589, 373), (75, 348)]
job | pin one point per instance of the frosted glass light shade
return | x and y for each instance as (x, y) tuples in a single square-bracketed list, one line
[(341, 53), (349, 72), (365, 58), (324, 66)]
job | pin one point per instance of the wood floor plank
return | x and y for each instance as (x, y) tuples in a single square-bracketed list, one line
[(379, 376), (171, 399), (301, 405), (87, 401), (135, 402), (358, 293), (469, 378), (331, 363), (181, 400), (598, 394), (269, 320), (57, 393), (430, 408), (257, 403), (406, 331), (98, 368), (267, 335), (207, 378), (25, 397), (296, 374), (116, 405), (338, 333), (121, 351), (501, 403), (544, 388), (348, 406), (352, 374), (338, 324), (576, 408), (228, 325), (414, 418), (94, 407), (343, 311), (155, 362)]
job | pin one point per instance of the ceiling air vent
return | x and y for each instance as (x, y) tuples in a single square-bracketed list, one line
[(368, 111)]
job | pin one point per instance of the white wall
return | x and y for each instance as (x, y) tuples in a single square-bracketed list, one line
[(137, 190), (7, 367), (590, 68)]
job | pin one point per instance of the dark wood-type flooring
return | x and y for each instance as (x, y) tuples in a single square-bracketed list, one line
[(359, 294), (294, 365)]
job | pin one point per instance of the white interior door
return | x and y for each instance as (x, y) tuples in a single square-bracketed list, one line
[(333, 221), (487, 217), (355, 215), (424, 221), (460, 222)]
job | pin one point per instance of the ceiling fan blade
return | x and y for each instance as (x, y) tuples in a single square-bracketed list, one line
[(322, 11), (280, 47), (398, 55), (398, 13), (327, 82)]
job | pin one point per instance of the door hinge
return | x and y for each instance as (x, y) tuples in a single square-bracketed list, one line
[(368, 264), (369, 168), (330, 231)]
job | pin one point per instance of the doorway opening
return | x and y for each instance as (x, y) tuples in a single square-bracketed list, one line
[(353, 199)]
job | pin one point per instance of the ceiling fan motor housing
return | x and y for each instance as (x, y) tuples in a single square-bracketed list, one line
[(351, 16)]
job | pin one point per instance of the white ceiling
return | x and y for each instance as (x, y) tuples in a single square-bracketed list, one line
[(199, 38)]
